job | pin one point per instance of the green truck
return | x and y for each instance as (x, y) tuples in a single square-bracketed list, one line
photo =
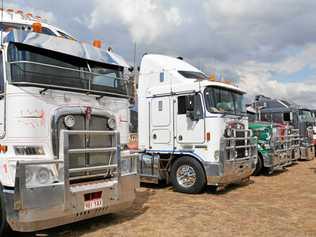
[(274, 145)]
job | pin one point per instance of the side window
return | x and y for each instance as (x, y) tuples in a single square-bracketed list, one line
[(194, 101), (182, 105), (1, 74)]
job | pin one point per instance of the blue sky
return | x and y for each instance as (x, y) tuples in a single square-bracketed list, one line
[(268, 46)]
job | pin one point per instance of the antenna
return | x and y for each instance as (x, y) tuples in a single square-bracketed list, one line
[(135, 48)]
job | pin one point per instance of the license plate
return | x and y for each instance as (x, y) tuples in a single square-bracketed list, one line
[(93, 204)]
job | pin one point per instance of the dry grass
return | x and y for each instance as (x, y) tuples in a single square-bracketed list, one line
[(280, 205)]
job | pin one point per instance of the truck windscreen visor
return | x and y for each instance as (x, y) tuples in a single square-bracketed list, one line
[(45, 67), (193, 75)]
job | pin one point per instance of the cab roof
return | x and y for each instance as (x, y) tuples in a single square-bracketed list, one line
[(65, 46)]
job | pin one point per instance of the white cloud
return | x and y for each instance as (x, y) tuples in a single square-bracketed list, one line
[(145, 20), (256, 78)]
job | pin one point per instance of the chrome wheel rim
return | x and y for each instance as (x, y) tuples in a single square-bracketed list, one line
[(186, 176)]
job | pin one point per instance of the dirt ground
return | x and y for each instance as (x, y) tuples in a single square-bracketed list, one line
[(283, 204)]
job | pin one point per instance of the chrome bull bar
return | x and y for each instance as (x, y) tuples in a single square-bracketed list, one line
[(280, 150), (229, 146)]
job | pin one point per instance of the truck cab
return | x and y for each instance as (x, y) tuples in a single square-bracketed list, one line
[(64, 120), (192, 131)]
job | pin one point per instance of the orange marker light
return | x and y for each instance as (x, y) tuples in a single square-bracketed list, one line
[(208, 136), (3, 148), (37, 27), (97, 43)]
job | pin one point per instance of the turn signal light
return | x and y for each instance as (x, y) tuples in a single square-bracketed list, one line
[(37, 27), (97, 43), (3, 148), (19, 12)]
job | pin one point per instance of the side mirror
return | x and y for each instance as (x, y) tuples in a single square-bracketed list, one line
[(193, 107), (190, 103)]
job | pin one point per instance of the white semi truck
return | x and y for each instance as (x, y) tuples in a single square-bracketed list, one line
[(64, 123), (192, 131)]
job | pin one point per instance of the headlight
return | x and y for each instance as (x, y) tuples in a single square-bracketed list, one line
[(43, 176), (228, 132), (265, 146), (112, 123), (69, 121), (38, 175)]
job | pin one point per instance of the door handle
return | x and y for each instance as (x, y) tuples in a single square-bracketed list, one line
[(180, 137), (154, 136)]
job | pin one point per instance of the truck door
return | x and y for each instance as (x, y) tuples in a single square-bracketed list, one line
[(189, 116), (2, 99), (161, 120)]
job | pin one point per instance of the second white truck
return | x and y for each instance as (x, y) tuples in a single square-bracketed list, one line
[(192, 131)]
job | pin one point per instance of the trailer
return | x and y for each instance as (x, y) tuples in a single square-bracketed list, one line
[(192, 131), (64, 126), (298, 117)]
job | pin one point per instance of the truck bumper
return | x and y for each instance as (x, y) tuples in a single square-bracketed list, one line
[(45, 207), (308, 152), (277, 159), (229, 172)]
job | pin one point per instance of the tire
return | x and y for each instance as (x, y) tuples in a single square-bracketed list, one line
[(259, 166), (181, 168), (4, 227)]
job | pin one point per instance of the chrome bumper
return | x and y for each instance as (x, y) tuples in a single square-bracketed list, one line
[(33, 207), (280, 159), (229, 171), (232, 169), (44, 207)]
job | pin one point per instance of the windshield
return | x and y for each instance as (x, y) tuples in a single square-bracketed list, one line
[(193, 75), (36, 66), (306, 116), (223, 100)]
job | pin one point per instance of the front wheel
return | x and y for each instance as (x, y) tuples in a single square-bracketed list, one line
[(187, 175)]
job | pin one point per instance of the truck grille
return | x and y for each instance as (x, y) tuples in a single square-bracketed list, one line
[(77, 141), (240, 145), (241, 152)]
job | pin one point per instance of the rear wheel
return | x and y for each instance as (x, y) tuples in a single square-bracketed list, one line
[(259, 166), (187, 175)]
